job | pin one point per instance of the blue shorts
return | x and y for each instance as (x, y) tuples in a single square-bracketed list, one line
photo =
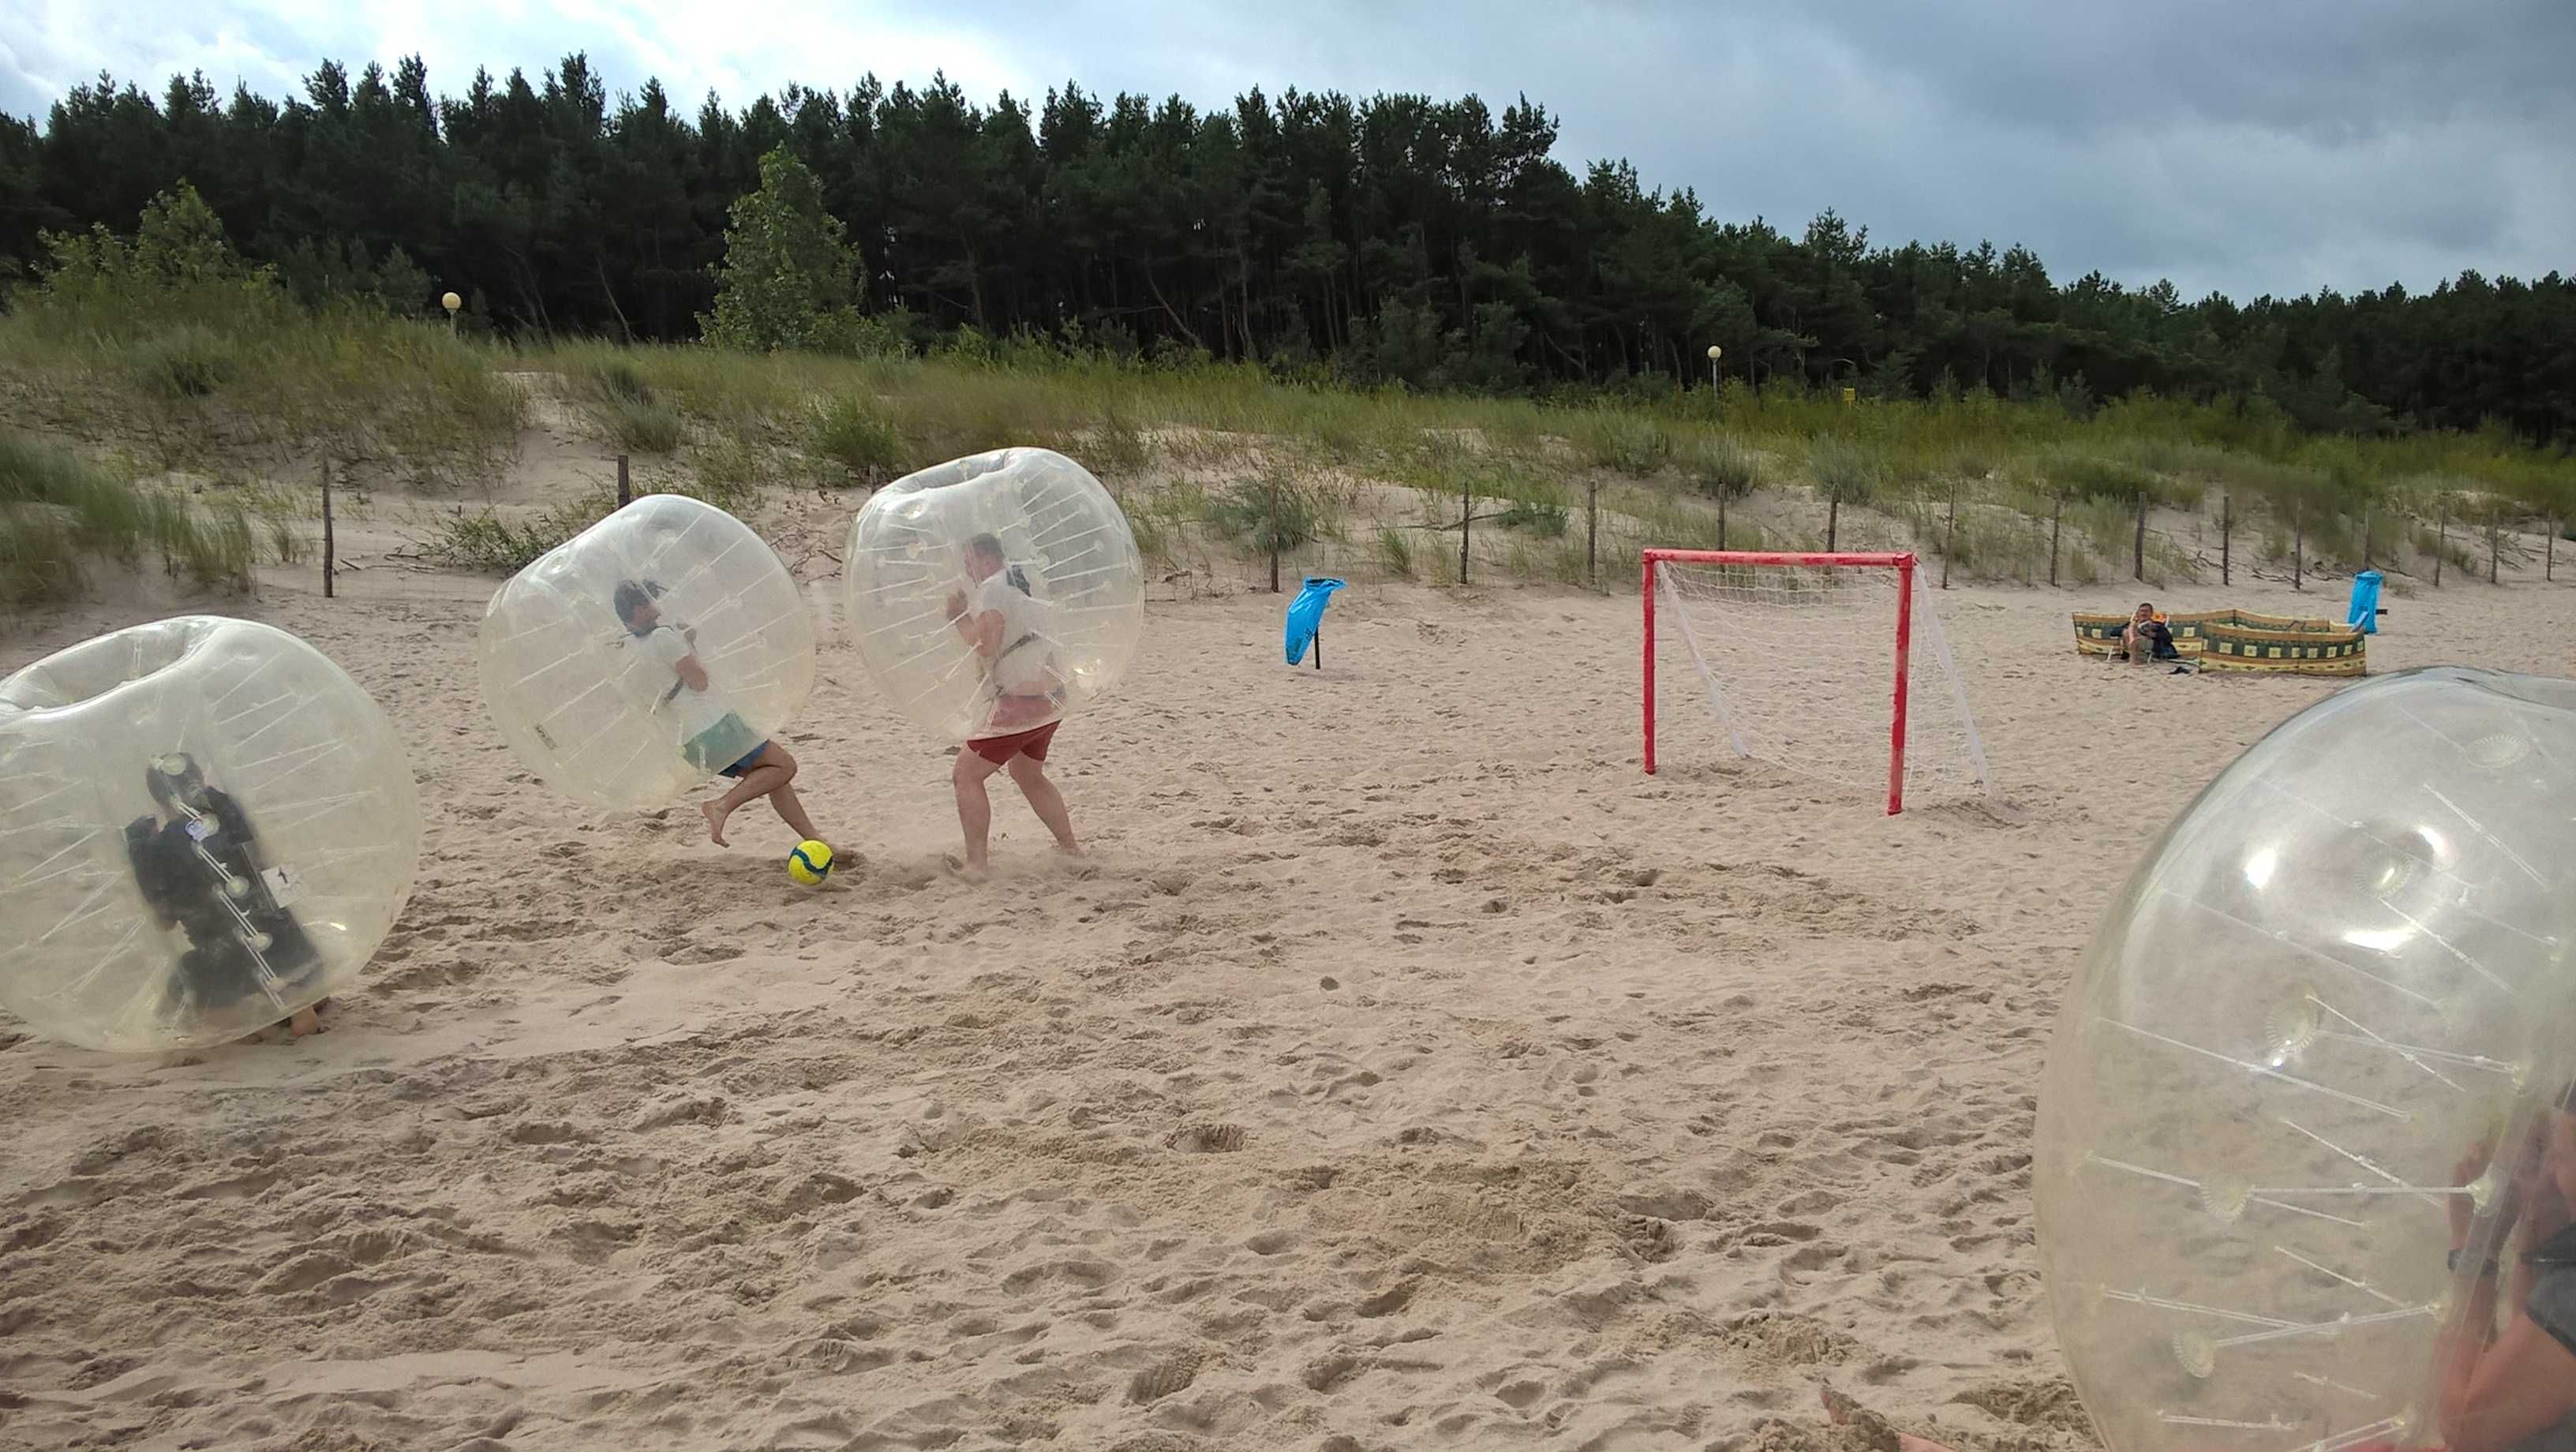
[(729, 740)]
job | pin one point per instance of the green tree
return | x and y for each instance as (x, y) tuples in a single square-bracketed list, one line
[(1396, 236), (786, 269)]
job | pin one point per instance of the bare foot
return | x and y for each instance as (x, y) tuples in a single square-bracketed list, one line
[(715, 814), (971, 871), (306, 1021)]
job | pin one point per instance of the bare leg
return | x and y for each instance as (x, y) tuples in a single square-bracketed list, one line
[(791, 810), (974, 806), (782, 797), (1045, 800), (766, 775)]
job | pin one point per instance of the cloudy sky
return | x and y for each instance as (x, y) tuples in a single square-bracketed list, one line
[(2244, 145)]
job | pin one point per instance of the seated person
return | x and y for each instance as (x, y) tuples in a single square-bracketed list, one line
[(2147, 638)]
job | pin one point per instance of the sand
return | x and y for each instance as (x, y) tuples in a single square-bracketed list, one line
[(1403, 1069)]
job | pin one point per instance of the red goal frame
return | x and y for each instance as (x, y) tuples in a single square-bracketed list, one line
[(1902, 563)]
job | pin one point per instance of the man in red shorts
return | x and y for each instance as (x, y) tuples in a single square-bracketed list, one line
[(1007, 628)]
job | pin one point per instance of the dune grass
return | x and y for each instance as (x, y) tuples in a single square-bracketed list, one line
[(61, 516), (184, 380)]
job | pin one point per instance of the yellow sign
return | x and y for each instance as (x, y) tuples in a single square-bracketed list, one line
[(1851, 395)]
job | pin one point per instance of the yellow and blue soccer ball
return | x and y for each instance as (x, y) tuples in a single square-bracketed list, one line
[(810, 863)]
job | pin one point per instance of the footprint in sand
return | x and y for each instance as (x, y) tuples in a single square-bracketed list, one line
[(1204, 1139), (1157, 1382)]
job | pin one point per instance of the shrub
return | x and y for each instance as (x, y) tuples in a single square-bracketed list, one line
[(1395, 551), (642, 428), (494, 543), (731, 467), (1623, 443), (2093, 477), (846, 432), (1153, 537), (627, 410), (189, 361), (1844, 470), (1721, 469), (1116, 447), (55, 510), (1266, 515), (1546, 520)]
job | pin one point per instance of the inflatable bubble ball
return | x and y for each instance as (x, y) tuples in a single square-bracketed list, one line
[(205, 827), (2326, 1028), (994, 594), (646, 654)]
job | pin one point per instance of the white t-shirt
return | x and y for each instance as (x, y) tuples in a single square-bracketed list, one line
[(654, 682), (1029, 670)]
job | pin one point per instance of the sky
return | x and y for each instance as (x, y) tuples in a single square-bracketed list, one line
[(2243, 146)]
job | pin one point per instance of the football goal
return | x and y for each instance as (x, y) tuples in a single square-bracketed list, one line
[(1830, 665)]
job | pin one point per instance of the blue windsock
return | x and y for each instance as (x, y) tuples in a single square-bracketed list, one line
[(2365, 603), (1306, 615)]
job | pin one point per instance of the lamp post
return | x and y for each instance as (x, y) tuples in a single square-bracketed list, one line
[(1714, 353), (451, 302)]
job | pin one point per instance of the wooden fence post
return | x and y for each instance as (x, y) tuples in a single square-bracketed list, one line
[(1274, 536), (2056, 516), (1592, 533), (2367, 520), (1950, 538), (1833, 517), (2226, 526), (2495, 545), (1721, 519), (1466, 525), (2298, 545), (2138, 556), (625, 493), (2441, 539), (2549, 552), (329, 552)]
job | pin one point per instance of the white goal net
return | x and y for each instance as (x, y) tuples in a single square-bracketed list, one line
[(1796, 659)]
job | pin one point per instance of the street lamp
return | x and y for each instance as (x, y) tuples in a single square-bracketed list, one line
[(1714, 353), (451, 302)]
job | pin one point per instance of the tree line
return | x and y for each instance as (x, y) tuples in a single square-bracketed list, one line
[(1394, 238)]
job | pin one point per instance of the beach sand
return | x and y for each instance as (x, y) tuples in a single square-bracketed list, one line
[(1403, 1068)]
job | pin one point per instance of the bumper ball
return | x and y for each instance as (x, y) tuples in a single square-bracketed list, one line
[(646, 654), (205, 827), (994, 594), (2325, 1030)]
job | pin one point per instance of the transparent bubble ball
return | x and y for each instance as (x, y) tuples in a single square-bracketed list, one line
[(644, 655), (1024, 536), (2337, 996), (205, 826)]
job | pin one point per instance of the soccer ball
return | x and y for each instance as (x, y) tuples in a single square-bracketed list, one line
[(810, 863)]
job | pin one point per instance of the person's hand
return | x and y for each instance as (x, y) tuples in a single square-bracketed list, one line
[(2512, 1192), (956, 604), (2544, 1207), (689, 633), (2463, 1209)]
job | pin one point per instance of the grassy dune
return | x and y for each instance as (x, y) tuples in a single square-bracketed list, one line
[(1214, 463)]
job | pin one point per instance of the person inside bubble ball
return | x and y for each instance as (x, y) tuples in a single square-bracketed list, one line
[(2512, 1390), (713, 738), (1006, 627), (2516, 1388), (203, 871)]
